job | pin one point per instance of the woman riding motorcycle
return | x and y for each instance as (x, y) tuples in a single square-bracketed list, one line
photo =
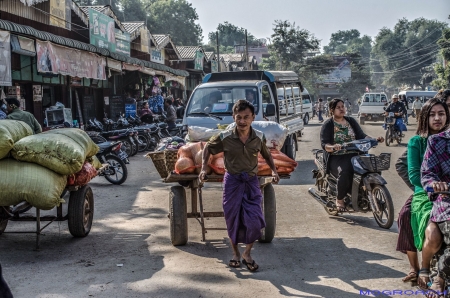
[(337, 130), (413, 217)]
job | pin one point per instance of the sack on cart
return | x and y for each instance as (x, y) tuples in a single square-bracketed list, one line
[(275, 133), (198, 133), (61, 150), (12, 131), (22, 181)]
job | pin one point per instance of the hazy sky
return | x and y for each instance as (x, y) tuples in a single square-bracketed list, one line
[(320, 17)]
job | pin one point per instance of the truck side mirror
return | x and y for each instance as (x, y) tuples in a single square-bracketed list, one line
[(270, 110)]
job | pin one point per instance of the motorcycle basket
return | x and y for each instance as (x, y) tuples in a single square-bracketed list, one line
[(389, 120), (376, 163)]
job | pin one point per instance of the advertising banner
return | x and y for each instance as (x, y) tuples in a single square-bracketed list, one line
[(130, 109), (157, 56), (5, 59), (56, 59), (145, 40), (199, 60), (58, 13), (37, 93), (103, 34), (214, 66)]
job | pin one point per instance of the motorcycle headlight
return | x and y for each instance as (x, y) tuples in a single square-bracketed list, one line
[(364, 147)]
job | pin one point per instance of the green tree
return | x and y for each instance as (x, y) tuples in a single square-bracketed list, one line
[(443, 73), (291, 45), (356, 85), (132, 10), (349, 41), (175, 17), (310, 73), (230, 35), (403, 52)]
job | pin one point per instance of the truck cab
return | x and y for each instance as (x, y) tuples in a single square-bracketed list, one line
[(211, 103)]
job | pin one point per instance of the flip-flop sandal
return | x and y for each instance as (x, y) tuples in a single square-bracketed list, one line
[(250, 266), (234, 263), (411, 277), (424, 272)]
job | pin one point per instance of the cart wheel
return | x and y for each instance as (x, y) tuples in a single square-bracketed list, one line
[(178, 216), (270, 214), (3, 220), (81, 211)]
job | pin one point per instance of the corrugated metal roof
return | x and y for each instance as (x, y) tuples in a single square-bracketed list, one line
[(188, 52), (105, 9), (161, 40), (71, 43), (210, 55), (130, 27)]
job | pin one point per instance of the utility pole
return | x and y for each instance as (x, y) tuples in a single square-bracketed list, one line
[(218, 54), (246, 50)]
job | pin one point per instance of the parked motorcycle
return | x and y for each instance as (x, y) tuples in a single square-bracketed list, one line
[(111, 154), (369, 192), (393, 131)]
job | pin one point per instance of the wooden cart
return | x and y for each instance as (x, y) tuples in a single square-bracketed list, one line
[(178, 207), (79, 215)]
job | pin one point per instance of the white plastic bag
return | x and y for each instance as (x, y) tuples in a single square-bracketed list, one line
[(275, 133), (197, 133)]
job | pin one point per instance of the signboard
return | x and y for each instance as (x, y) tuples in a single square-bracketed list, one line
[(56, 59), (214, 66), (103, 34), (199, 60), (130, 109), (106, 99), (157, 56), (116, 106), (37, 93), (88, 107), (58, 13), (14, 91), (145, 40), (122, 42), (5, 59)]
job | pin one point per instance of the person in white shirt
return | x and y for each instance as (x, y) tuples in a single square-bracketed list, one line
[(417, 106)]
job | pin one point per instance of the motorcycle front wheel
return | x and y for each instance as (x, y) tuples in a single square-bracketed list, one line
[(382, 197), (117, 172), (128, 147), (388, 136)]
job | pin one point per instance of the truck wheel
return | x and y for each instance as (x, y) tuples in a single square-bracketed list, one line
[(306, 119), (362, 120), (291, 147), (81, 211), (270, 214), (178, 216)]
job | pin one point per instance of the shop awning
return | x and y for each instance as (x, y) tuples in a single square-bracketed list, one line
[(114, 65), (23, 46), (75, 44)]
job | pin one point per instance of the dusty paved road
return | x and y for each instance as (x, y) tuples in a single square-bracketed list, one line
[(312, 255)]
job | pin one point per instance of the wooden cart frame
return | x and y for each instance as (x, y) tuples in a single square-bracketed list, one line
[(178, 214)]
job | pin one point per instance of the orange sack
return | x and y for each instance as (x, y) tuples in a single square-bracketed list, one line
[(184, 165), (218, 166)]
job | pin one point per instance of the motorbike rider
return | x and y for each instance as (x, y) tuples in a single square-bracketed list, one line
[(337, 130), (435, 173), (413, 217), (398, 108)]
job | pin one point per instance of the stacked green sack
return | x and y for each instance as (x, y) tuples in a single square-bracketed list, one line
[(63, 151), (29, 182), (12, 131)]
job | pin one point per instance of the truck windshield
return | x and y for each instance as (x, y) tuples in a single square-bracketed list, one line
[(220, 100)]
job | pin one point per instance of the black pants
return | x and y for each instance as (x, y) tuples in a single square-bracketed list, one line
[(341, 167)]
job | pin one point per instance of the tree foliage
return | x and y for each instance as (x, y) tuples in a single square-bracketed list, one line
[(349, 41), (230, 35), (356, 85), (402, 53), (175, 17), (292, 44), (443, 73)]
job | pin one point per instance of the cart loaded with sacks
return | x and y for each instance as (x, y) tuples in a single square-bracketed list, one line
[(39, 170), (183, 165)]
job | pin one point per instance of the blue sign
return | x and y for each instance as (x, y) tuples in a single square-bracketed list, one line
[(130, 110)]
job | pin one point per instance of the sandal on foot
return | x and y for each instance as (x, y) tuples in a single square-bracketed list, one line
[(341, 208), (250, 266), (411, 277), (234, 263), (424, 272)]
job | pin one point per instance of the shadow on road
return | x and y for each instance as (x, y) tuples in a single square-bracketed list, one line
[(310, 266)]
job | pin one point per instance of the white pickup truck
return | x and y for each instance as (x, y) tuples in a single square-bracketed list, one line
[(371, 107), (211, 103)]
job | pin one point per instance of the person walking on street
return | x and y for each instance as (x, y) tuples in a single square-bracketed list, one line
[(405, 102), (14, 113), (242, 195), (171, 113), (348, 107), (320, 109), (417, 106)]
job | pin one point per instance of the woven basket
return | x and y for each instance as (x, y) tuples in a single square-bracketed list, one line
[(160, 163), (170, 158)]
